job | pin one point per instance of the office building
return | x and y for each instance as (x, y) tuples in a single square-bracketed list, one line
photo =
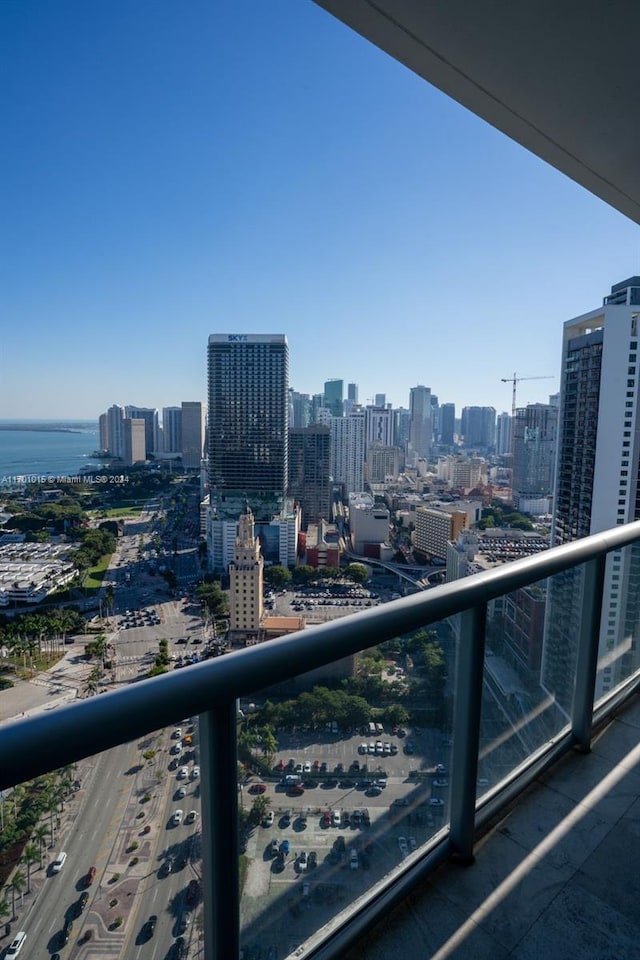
[(380, 424), (309, 471), (434, 529), (534, 451), (380, 400), (134, 439), (503, 435), (383, 462), (348, 451), (420, 428), (193, 433), (172, 429), (447, 423), (115, 430), (300, 409), (333, 397), (150, 417), (479, 426), (103, 430), (352, 392), (248, 382), (596, 486)]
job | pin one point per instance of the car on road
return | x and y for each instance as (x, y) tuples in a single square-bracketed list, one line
[(16, 945), (149, 928), (183, 773), (177, 734), (82, 902), (177, 817), (165, 868), (193, 891), (181, 793), (91, 875), (179, 949), (177, 747), (436, 802), (195, 773), (402, 846)]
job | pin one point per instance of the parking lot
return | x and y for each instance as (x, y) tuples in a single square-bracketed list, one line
[(336, 829)]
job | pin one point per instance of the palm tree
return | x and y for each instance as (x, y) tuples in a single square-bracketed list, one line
[(29, 856), (17, 885), (39, 833), (5, 910)]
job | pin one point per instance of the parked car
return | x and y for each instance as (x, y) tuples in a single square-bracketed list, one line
[(302, 860), (177, 817), (149, 928), (353, 860)]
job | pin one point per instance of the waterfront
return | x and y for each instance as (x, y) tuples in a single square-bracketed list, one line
[(46, 448)]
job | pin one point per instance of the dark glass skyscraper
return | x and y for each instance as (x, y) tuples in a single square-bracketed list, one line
[(248, 424)]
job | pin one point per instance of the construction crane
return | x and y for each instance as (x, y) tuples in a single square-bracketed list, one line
[(516, 380)]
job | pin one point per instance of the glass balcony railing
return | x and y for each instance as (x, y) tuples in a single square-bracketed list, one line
[(273, 802)]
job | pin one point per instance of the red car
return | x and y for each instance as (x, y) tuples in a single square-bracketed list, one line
[(326, 819), (296, 790), (91, 876), (257, 788)]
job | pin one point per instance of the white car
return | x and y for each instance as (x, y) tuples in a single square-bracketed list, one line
[(268, 820), (336, 819), (402, 845), (195, 773), (302, 860), (177, 817), (353, 860), (177, 747), (183, 773)]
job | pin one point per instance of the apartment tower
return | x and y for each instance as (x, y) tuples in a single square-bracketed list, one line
[(597, 487)]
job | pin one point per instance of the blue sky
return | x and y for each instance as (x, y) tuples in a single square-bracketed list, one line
[(171, 170)]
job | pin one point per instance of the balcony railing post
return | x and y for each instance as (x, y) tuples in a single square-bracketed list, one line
[(466, 731), (220, 852), (587, 661)]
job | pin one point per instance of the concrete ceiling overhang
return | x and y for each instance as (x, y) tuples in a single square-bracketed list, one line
[(561, 77)]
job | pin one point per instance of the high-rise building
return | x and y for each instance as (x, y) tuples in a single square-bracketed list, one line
[(479, 426), (115, 429), (248, 424), (503, 434), (597, 487), (333, 396), (245, 576), (133, 431), (534, 451), (193, 424), (103, 429), (309, 471), (383, 461), (347, 451), (299, 409), (380, 423), (352, 392), (172, 429), (421, 425), (150, 417), (380, 400), (447, 423), (434, 529)]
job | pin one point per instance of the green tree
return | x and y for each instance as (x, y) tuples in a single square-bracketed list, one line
[(304, 573), (357, 572), (277, 576), (40, 833), (30, 856), (213, 599), (260, 808), (17, 883)]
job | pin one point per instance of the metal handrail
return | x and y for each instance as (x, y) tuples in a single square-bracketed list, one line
[(36, 745), (47, 742)]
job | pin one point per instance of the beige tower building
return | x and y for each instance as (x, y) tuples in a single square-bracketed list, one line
[(245, 572)]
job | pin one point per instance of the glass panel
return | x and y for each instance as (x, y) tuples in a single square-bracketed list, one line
[(618, 656), (344, 776), (107, 852), (530, 663)]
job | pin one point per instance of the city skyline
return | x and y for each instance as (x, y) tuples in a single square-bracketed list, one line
[(247, 170)]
